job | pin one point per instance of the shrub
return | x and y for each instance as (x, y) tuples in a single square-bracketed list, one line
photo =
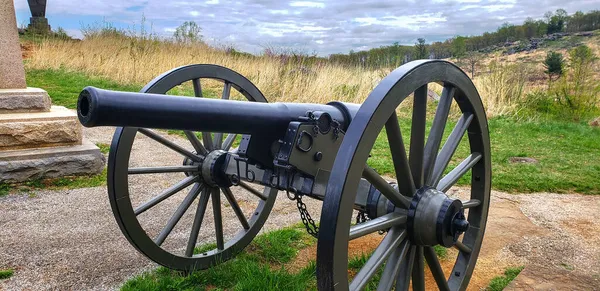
[(188, 33), (554, 64), (61, 33), (578, 91)]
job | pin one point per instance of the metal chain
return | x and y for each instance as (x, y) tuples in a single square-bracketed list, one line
[(307, 220), (309, 223), (361, 217)]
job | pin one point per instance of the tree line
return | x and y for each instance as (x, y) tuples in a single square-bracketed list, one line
[(460, 46)]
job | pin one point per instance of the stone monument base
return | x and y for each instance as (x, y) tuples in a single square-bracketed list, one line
[(57, 127), (38, 25), (24, 100), (38, 140), (54, 162)]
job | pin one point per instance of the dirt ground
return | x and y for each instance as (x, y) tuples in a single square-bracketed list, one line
[(68, 239)]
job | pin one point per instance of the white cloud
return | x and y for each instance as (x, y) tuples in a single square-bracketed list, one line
[(331, 26), (307, 4)]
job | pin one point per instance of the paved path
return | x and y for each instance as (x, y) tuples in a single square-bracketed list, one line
[(69, 239)]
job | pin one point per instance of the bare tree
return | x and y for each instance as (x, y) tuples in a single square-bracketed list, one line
[(473, 59)]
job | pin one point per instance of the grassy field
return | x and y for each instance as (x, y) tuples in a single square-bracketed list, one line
[(136, 60)]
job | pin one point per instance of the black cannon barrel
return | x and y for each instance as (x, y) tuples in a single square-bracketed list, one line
[(98, 107)]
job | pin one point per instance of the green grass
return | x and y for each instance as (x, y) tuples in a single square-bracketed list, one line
[(104, 148), (441, 252), (70, 182), (64, 86), (4, 189), (7, 273), (500, 282), (259, 267), (566, 153)]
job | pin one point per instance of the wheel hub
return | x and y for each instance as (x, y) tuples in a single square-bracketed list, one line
[(433, 218), (212, 169)]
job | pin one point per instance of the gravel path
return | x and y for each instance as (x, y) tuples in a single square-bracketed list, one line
[(69, 239)]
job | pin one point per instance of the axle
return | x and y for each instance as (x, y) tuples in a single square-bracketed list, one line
[(97, 107)]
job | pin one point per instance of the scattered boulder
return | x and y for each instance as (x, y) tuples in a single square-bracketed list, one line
[(522, 160), (585, 33), (595, 122)]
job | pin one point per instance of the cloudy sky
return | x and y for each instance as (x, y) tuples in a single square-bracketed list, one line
[(323, 27)]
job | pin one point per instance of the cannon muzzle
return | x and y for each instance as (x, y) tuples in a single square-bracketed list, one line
[(97, 107)]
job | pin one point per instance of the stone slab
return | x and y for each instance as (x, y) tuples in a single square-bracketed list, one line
[(12, 72), (58, 127), (23, 165), (24, 100)]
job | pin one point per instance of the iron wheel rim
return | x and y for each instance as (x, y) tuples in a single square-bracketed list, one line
[(332, 249), (118, 164)]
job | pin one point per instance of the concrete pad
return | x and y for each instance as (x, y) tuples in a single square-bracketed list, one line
[(22, 165), (58, 127), (24, 100)]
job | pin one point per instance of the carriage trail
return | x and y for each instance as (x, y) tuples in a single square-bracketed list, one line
[(68, 239)]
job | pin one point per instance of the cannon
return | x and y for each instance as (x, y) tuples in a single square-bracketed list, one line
[(326, 152)]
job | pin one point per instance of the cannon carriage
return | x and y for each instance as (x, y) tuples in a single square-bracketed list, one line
[(318, 151)]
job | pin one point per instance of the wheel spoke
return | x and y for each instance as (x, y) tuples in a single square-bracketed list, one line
[(226, 91), (392, 266), (471, 203), (450, 147), (153, 135), (218, 140), (435, 268), (216, 204), (385, 188), (462, 247), (208, 142), (418, 272), (196, 143), (380, 223), (197, 87), (437, 131), (206, 137), (403, 280), (406, 184), (165, 194), (391, 241), (417, 135), (460, 170), (202, 204), (252, 190), (156, 170), (183, 207), (229, 141), (236, 208)]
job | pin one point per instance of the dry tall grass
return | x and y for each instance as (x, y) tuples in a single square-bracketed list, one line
[(134, 61), (137, 61)]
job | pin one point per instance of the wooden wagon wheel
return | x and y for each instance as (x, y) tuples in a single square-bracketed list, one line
[(422, 215), (120, 187)]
